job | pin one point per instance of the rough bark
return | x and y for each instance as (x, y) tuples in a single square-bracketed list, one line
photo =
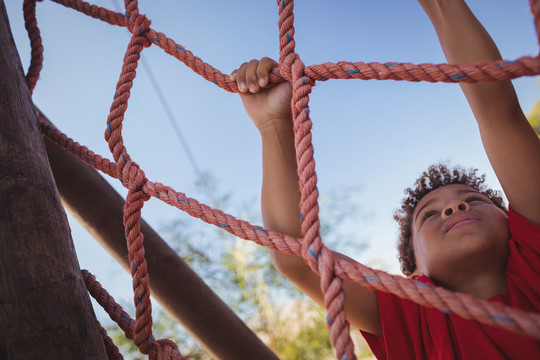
[(45, 311)]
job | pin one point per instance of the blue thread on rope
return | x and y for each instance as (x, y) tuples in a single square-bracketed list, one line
[(110, 129), (303, 80), (142, 303), (127, 16), (135, 181), (328, 320), (418, 283), (225, 225), (460, 76), (369, 278), (125, 317), (140, 30), (503, 319), (154, 39), (119, 15), (150, 341), (91, 160), (180, 199), (343, 292), (307, 112), (283, 4), (115, 95), (123, 156), (134, 266), (288, 37), (391, 64), (215, 82), (345, 357), (301, 216), (260, 229), (312, 252), (273, 69), (352, 71), (157, 197), (324, 78), (507, 62)]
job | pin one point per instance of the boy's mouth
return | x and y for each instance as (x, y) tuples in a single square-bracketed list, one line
[(459, 220)]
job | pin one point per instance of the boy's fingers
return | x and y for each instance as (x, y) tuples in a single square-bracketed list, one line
[(240, 76), (263, 69), (252, 81), (253, 75)]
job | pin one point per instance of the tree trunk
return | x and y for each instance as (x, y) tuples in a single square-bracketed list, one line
[(45, 311)]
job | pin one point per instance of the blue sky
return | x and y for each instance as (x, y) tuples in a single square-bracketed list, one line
[(376, 134)]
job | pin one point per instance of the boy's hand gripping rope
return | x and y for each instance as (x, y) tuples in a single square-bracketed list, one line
[(310, 247)]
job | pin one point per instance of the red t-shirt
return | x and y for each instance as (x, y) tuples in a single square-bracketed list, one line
[(411, 331)]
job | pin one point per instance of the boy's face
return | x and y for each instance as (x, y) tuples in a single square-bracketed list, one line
[(457, 229)]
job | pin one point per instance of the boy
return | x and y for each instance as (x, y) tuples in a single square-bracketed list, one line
[(454, 232)]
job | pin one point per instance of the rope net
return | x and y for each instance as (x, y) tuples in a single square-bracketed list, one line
[(310, 247)]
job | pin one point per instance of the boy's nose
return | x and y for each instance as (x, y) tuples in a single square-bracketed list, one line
[(455, 206)]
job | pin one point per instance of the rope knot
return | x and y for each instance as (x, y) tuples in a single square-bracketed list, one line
[(165, 349), (285, 66), (136, 179), (139, 25)]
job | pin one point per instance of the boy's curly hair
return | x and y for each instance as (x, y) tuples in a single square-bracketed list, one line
[(436, 176)]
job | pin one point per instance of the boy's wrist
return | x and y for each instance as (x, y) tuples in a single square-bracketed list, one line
[(275, 127)]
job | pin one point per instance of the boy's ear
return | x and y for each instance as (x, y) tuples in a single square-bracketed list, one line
[(417, 273)]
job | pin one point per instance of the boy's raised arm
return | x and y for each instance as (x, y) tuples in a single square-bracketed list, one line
[(270, 111), (510, 142)]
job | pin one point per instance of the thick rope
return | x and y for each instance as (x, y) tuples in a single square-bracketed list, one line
[(36, 60), (164, 349), (133, 176), (315, 254), (483, 71), (112, 350), (310, 247)]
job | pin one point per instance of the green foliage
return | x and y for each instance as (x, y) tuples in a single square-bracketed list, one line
[(303, 332), (534, 118), (241, 273)]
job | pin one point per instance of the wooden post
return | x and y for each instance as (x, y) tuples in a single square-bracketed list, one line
[(98, 207), (45, 311)]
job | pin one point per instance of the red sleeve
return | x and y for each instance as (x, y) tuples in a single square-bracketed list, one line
[(402, 328), (523, 271)]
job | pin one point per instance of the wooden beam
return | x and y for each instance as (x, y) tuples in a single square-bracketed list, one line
[(98, 207), (45, 311)]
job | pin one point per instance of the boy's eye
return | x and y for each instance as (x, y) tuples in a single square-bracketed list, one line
[(428, 214), (474, 198)]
